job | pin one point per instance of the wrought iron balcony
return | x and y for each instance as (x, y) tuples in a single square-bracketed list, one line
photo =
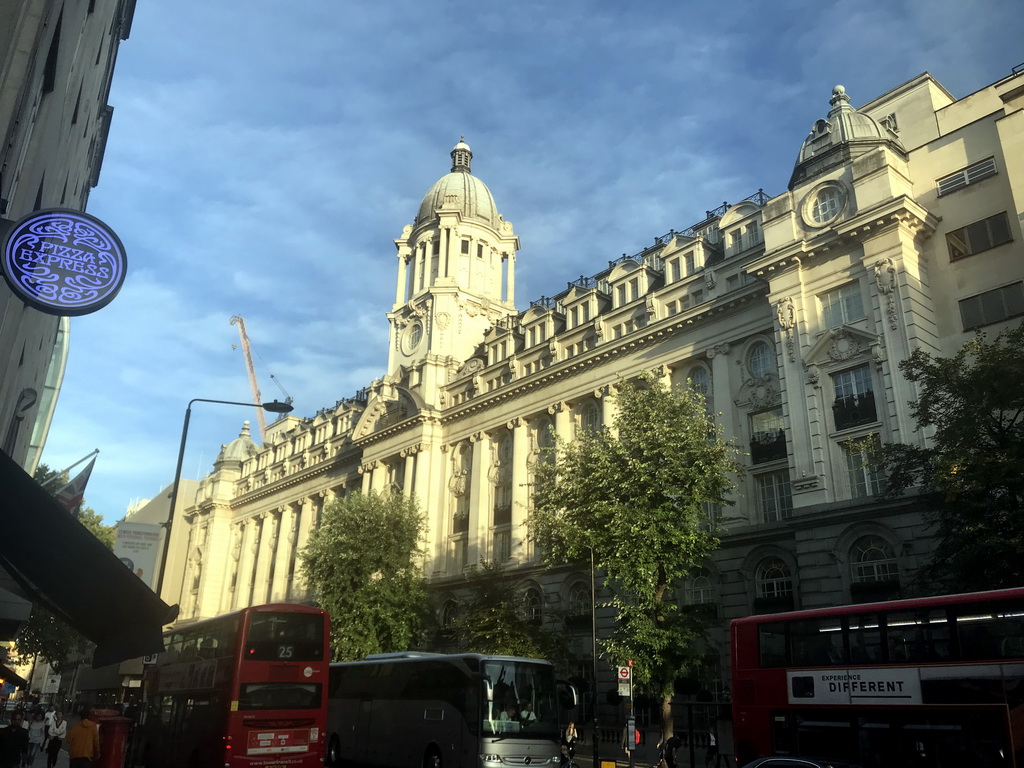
[(854, 410), (767, 446)]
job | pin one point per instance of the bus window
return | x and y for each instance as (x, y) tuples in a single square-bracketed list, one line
[(865, 639), (918, 636), (993, 631), (279, 696), (285, 637), (773, 645), (817, 642)]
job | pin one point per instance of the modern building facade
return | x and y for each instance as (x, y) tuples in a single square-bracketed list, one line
[(900, 229), (56, 63)]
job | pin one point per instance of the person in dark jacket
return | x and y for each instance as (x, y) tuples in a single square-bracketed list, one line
[(14, 741)]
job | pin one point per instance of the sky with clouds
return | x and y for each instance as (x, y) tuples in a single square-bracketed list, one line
[(265, 154)]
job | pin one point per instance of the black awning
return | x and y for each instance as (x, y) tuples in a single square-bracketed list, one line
[(8, 675), (61, 565)]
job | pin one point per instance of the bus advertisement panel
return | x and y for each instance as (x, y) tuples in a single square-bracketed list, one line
[(450, 711), (244, 690), (929, 682)]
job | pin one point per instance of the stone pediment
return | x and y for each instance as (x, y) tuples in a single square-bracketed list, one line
[(839, 345), (388, 404)]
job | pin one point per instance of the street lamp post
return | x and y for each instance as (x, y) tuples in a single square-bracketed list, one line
[(593, 630), (272, 407)]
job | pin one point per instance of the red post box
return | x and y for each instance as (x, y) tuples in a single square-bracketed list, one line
[(114, 730)]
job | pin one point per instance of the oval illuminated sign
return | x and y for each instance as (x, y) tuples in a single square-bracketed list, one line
[(64, 262)]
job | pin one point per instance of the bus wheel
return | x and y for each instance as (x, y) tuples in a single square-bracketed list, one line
[(333, 753), (432, 759)]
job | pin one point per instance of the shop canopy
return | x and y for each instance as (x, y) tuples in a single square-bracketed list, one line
[(59, 564)]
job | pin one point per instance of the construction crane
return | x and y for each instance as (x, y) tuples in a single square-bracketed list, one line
[(257, 398)]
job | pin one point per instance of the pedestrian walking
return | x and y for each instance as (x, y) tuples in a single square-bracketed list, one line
[(83, 742), (14, 741), (711, 758), (55, 735), (36, 737)]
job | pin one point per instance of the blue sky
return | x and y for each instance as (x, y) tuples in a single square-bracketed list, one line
[(265, 154)]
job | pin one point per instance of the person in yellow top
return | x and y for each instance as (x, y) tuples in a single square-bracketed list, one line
[(83, 742)]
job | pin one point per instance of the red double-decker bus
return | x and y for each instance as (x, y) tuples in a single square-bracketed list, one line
[(927, 683), (243, 690)]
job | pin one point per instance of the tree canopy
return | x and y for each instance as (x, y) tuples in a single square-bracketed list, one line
[(637, 493), (971, 474), (494, 620), (363, 567)]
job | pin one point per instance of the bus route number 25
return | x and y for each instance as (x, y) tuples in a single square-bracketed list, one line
[(285, 651)]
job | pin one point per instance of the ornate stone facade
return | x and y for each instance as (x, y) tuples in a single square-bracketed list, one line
[(791, 313)]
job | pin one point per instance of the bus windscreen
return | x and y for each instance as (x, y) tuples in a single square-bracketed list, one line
[(285, 637), (279, 696), (524, 700)]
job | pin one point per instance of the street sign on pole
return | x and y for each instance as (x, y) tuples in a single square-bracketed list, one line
[(625, 678)]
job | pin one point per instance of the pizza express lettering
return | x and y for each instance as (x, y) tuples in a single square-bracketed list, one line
[(63, 257)]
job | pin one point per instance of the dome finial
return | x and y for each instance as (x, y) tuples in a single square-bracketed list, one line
[(461, 155), (839, 96)]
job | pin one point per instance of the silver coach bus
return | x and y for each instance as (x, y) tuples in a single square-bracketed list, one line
[(444, 711)]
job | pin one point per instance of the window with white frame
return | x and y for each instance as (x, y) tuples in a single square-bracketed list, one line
[(864, 478), (872, 559), (965, 176), (501, 545), (842, 305), (774, 496), (590, 418), (760, 360), (502, 477), (673, 270), (827, 204), (855, 398), (579, 600), (699, 589), (773, 578), (449, 615), (533, 605), (690, 261), (992, 306)]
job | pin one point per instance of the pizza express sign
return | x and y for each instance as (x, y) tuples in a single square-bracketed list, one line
[(63, 262)]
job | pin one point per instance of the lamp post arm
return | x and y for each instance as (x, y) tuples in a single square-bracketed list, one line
[(174, 500)]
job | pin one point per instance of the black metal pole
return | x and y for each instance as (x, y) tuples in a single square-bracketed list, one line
[(174, 501), (593, 629)]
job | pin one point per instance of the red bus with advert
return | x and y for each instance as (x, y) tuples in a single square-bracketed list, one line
[(927, 683), (243, 690)]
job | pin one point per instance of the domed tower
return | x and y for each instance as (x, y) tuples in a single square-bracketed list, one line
[(456, 275)]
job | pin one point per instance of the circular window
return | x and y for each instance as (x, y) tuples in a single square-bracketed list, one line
[(824, 204), (412, 338)]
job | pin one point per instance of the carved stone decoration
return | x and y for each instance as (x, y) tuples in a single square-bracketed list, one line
[(652, 310), (718, 349), (785, 312), (885, 280), (709, 278), (236, 543), (843, 346), (443, 320)]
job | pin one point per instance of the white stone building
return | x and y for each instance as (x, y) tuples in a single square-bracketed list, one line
[(900, 230)]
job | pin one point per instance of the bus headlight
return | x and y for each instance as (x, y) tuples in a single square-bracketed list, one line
[(490, 758)]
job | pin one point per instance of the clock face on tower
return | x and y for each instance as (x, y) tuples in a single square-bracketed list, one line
[(412, 337)]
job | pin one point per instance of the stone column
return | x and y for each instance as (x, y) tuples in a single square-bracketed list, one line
[(609, 407), (245, 563), (264, 556), (403, 279), (479, 494), (510, 287), (563, 420), (520, 489), (409, 471), (283, 553), (366, 470)]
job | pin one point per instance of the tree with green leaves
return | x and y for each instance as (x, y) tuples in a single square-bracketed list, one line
[(363, 566), (636, 494), (971, 472), (494, 620), (46, 634)]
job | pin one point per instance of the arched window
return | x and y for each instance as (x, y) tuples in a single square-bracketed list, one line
[(590, 418), (700, 590), (760, 360), (700, 380), (449, 614), (774, 578), (502, 479), (460, 486), (532, 604), (580, 603), (872, 559)]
